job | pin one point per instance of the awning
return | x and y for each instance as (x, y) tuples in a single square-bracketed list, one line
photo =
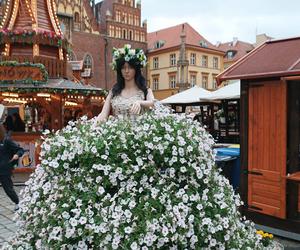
[(192, 95), (230, 91)]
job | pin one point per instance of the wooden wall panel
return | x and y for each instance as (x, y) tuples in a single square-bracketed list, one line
[(267, 148)]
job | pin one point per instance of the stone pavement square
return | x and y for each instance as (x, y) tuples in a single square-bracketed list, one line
[(7, 225)]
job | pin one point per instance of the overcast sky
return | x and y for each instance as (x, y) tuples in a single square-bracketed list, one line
[(221, 20)]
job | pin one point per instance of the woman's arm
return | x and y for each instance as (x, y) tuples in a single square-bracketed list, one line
[(102, 117), (149, 102)]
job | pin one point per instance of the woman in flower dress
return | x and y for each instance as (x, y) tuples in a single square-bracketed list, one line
[(130, 95)]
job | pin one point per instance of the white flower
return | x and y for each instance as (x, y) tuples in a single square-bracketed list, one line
[(82, 220), (134, 246)]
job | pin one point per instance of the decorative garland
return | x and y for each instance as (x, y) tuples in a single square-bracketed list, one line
[(33, 37), (83, 92), (40, 66)]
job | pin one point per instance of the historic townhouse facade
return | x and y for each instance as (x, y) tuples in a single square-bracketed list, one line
[(95, 29), (179, 57)]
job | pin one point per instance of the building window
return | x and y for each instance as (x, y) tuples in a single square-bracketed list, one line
[(155, 63), (111, 31), (136, 35), (204, 61), (204, 81), (130, 34), (215, 62), (124, 34), (172, 81), (142, 37), (130, 21), (155, 83), (118, 32), (193, 80), (214, 82), (125, 17), (230, 54), (193, 59), (136, 21), (87, 66), (173, 59), (159, 44), (118, 16), (88, 62)]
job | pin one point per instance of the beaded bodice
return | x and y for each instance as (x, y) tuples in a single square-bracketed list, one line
[(121, 105)]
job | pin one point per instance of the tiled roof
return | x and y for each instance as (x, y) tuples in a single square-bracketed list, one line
[(171, 38), (241, 48), (271, 59)]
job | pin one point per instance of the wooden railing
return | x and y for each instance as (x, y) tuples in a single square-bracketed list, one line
[(55, 68)]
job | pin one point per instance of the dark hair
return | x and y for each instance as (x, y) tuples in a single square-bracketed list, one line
[(9, 123), (139, 79)]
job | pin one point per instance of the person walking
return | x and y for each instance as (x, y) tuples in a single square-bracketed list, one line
[(9, 155)]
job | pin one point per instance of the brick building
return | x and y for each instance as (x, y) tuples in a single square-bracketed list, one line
[(94, 29), (120, 23)]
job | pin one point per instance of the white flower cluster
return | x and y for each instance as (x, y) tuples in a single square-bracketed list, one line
[(128, 54), (147, 185)]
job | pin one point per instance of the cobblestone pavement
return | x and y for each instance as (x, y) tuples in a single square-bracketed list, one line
[(8, 227)]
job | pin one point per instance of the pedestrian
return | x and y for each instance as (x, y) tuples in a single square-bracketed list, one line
[(19, 125), (9, 155)]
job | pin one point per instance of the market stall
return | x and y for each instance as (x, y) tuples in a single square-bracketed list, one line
[(270, 134), (37, 84)]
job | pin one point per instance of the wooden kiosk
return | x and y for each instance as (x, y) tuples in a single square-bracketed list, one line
[(270, 133), (36, 80)]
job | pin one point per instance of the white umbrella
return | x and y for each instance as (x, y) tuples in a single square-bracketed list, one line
[(192, 95), (231, 91)]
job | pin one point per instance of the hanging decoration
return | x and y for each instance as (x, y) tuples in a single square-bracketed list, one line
[(33, 37)]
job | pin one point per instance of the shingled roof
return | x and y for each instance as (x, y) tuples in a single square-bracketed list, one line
[(171, 38), (241, 48), (271, 59)]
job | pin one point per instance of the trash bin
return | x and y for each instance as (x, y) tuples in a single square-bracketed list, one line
[(229, 160)]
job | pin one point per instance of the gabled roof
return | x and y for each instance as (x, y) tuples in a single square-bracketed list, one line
[(241, 48), (171, 38), (272, 59)]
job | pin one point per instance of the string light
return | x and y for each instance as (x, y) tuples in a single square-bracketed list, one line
[(14, 14), (5, 14), (67, 103), (14, 100), (43, 95), (10, 94)]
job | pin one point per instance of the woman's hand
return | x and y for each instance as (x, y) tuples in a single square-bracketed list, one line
[(15, 157), (136, 108), (101, 118)]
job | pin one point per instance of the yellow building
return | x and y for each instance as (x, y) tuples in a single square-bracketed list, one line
[(179, 58)]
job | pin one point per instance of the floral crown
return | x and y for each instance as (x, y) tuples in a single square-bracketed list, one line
[(127, 54)]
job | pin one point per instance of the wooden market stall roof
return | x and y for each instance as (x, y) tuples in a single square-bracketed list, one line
[(272, 59), (59, 85)]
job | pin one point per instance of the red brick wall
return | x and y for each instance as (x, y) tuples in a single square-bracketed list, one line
[(94, 45)]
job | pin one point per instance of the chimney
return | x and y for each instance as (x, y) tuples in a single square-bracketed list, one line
[(235, 40)]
